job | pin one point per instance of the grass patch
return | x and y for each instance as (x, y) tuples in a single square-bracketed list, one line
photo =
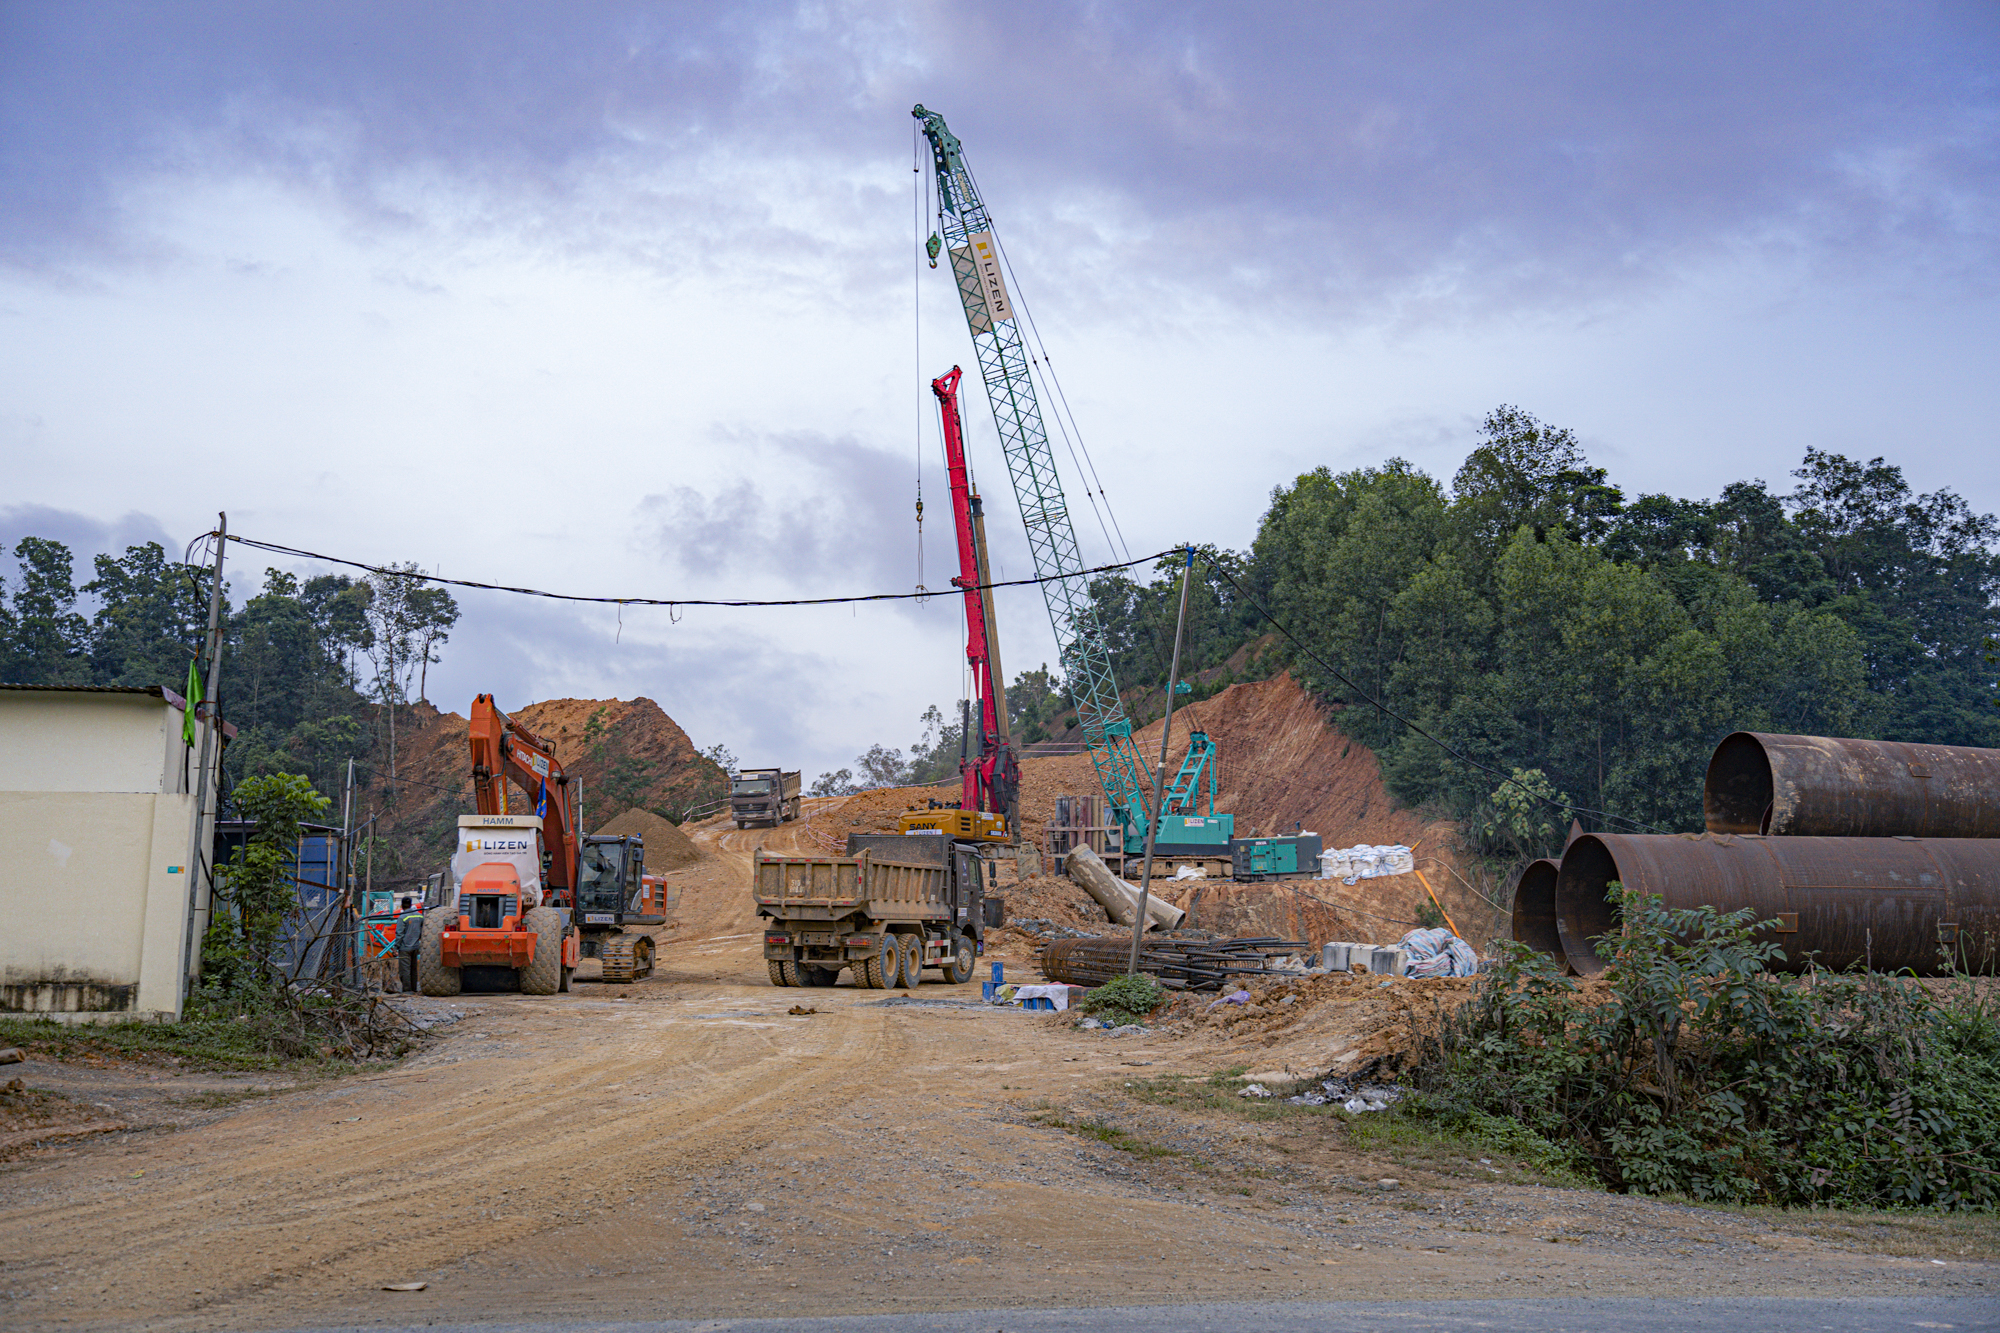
[(1223, 1091), (1110, 1135), (195, 1043), (1963, 1236), (220, 1098), (1410, 1133), (1484, 1147)]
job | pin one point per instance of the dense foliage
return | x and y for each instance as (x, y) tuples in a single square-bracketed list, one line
[(1701, 1073), (1536, 619), (302, 661)]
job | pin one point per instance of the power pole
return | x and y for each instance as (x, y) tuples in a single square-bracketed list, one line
[(1160, 782), (196, 853)]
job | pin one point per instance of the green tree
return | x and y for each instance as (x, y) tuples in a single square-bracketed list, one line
[(48, 641), (150, 620), (255, 891), (1035, 706)]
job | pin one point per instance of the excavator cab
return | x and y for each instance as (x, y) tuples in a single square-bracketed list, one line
[(615, 900), (608, 878)]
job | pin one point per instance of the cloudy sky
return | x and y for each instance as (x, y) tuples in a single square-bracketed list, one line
[(621, 299)]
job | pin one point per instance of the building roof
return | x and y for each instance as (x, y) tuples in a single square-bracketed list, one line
[(202, 710)]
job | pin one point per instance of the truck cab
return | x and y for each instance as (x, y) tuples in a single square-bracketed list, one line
[(763, 796)]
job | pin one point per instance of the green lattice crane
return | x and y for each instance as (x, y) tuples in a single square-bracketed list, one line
[(1002, 355)]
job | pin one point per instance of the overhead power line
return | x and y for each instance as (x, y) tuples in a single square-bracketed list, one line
[(422, 577)]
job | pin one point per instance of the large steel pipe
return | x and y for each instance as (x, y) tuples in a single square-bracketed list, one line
[(1535, 909), (1831, 787), (1890, 902)]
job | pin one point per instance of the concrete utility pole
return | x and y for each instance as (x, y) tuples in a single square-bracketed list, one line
[(1160, 782), (210, 733)]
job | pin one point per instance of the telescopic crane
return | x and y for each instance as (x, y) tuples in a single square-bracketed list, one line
[(989, 772)]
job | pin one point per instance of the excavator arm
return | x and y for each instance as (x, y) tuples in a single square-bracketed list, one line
[(504, 751)]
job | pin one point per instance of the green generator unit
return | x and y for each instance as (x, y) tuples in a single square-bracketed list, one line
[(1191, 835), (1274, 858)]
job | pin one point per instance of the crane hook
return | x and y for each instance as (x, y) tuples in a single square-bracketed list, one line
[(931, 248)]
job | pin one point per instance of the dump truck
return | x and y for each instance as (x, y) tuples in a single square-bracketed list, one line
[(763, 796), (895, 905)]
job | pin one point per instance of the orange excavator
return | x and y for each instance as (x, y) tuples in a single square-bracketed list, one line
[(528, 897)]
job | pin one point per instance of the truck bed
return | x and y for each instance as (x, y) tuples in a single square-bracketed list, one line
[(827, 888)]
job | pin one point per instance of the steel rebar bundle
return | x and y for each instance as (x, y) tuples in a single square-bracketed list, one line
[(1175, 964)]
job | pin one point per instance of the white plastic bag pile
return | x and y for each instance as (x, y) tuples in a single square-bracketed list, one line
[(1349, 864), (1438, 953)]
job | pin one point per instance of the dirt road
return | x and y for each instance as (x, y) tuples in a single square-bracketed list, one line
[(687, 1146)]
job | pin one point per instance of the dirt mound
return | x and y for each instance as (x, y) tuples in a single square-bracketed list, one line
[(667, 848), (1284, 764), (1333, 1020), (873, 811), (627, 754)]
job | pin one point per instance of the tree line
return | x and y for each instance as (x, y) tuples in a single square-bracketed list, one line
[(1534, 618), (313, 670)]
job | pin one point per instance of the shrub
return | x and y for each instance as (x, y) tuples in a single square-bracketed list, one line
[(1703, 1073), (1126, 999)]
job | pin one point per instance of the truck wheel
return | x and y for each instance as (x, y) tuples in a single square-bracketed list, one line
[(910, 949), (881, 971), (543, 974), (959, 970), (433, 977), (776, 967)]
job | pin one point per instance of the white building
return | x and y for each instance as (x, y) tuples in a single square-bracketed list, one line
[(103, 915)]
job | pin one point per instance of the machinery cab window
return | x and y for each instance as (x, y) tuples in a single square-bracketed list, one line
[(609, 878)]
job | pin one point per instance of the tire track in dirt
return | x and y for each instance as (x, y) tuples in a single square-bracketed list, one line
[(448, 1180)]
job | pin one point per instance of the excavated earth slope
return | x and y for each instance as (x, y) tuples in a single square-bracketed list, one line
[(1284, 764), (637, 750)]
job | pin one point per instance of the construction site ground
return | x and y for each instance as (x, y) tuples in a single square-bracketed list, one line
[(691, 1147)]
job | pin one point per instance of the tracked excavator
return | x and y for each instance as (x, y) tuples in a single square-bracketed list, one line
[(527, 897)]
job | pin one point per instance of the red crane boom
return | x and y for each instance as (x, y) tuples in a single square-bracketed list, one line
[(990, 775)]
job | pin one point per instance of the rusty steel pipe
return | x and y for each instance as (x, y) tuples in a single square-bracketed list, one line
[(1889, 902), (1833, 787), (1535, 909)]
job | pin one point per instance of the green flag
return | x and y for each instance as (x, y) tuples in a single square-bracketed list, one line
[(193, 698)]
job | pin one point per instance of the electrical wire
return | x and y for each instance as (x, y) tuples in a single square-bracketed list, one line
[(1341, 676), (422, 577)]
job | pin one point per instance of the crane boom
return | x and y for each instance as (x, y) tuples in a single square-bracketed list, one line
[(1081, 645), (990, 774)]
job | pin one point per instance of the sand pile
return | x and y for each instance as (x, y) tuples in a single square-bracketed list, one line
[(667, 848)]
